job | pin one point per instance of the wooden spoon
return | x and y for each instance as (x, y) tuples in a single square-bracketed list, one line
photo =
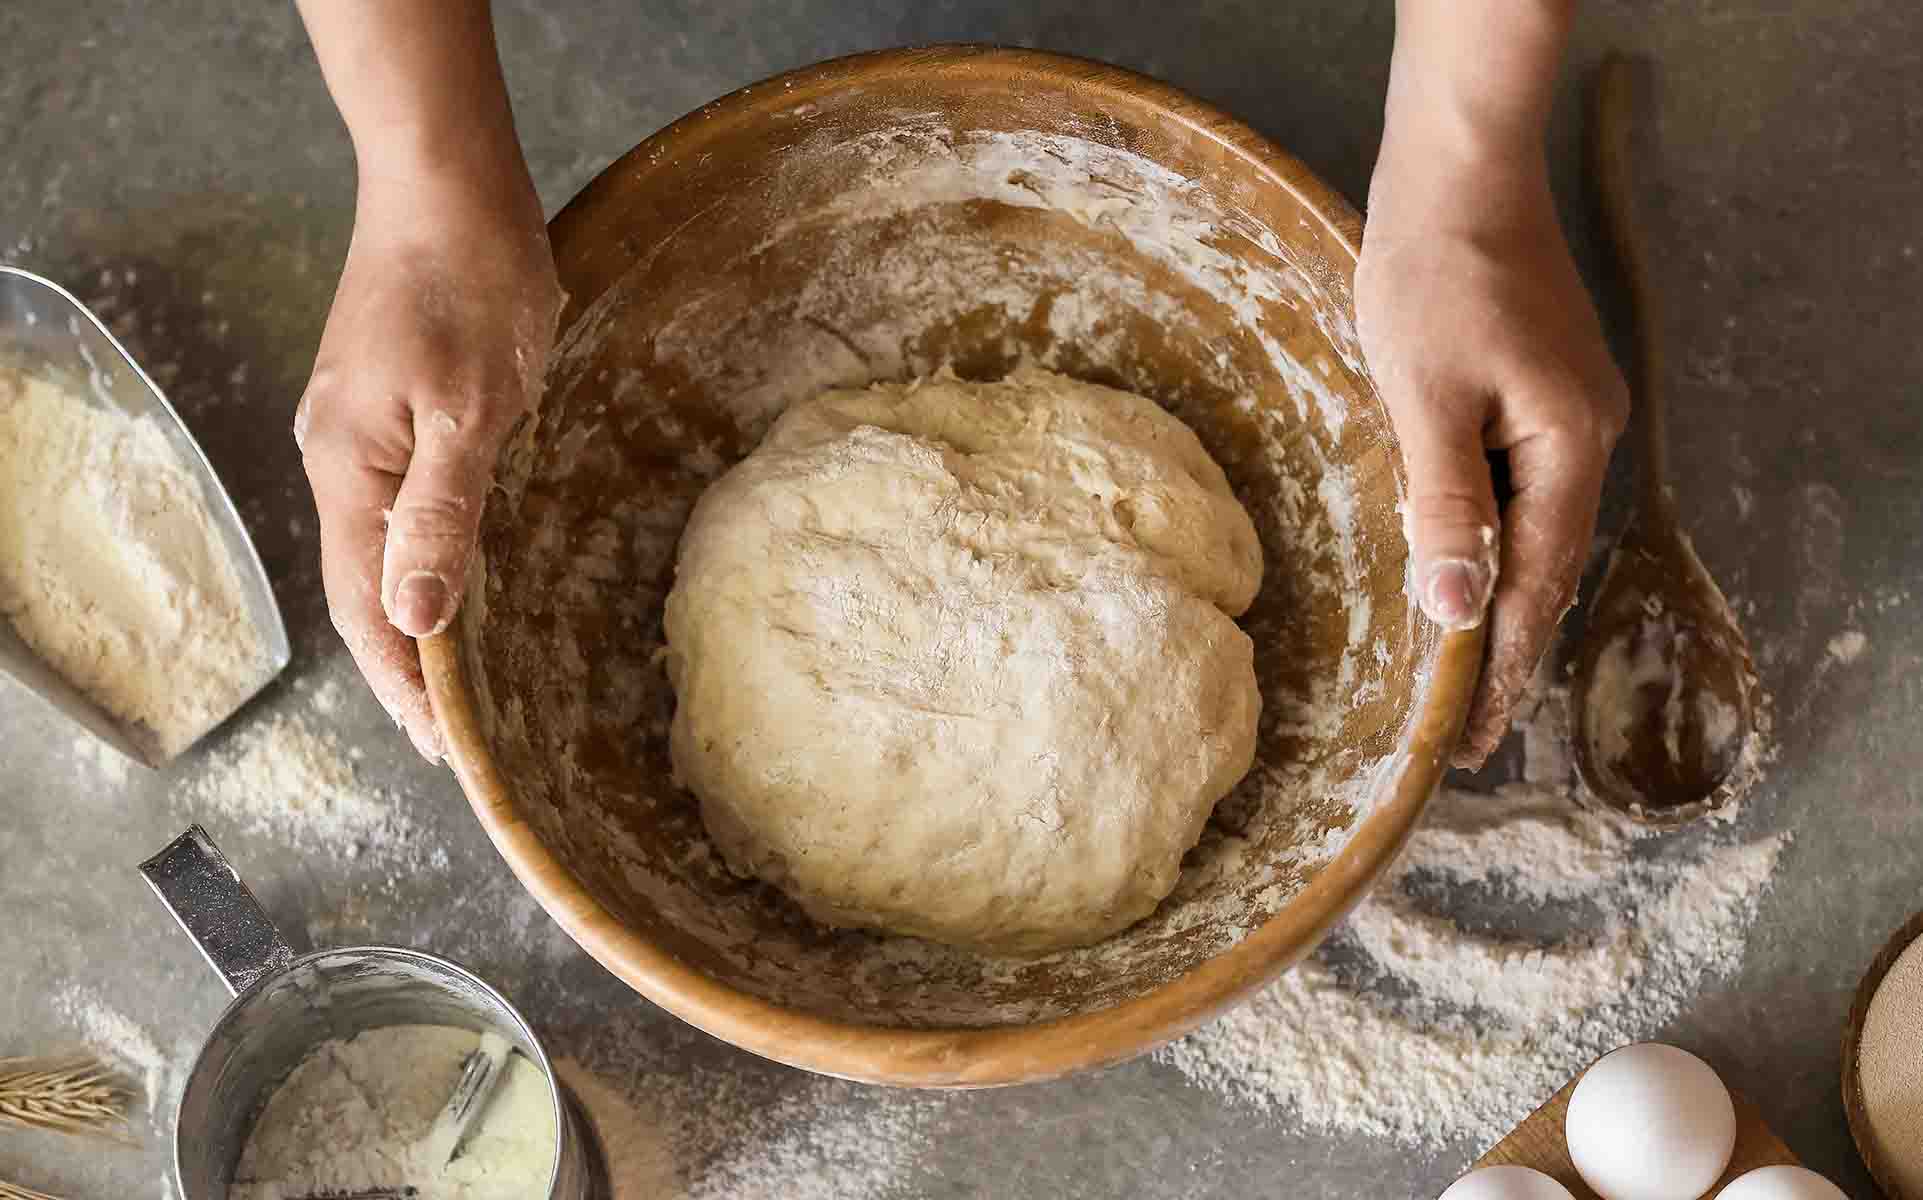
[(1665, 699)]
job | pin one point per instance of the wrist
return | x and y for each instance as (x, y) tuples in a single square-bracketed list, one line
[(1418, 174), (1469, 94), (455, 185), (1426, 195), (448, 147), (1448, 141)]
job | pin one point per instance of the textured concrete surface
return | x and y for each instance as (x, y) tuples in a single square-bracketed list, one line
[(188, 152)]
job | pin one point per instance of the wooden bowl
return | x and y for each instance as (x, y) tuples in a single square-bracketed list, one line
[(882, 217), (1853, 1107)]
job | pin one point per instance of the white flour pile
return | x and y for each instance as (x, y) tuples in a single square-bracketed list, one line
[(110, 568), (355, 1115), (1412, 1027), (281, 777)]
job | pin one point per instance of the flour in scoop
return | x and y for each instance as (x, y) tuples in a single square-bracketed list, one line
[(353, 1117), (110, 568)]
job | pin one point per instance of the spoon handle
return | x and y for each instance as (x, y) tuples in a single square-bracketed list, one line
[(1612, 124)]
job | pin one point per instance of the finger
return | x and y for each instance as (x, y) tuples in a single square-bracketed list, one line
[(1451, 510), (1546, 530), (436, 515), (352, 498)]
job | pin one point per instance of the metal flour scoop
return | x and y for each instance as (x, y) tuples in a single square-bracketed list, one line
[(46, 333)]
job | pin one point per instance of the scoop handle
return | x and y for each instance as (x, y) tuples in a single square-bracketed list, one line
[(205, 894)]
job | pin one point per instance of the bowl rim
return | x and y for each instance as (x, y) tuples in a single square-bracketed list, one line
[(956, 1057)]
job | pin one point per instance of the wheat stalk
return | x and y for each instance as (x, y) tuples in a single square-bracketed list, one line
[(77, 1094), (10, 1191)]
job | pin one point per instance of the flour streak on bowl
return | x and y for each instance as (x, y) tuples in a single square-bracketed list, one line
[(880, 219)]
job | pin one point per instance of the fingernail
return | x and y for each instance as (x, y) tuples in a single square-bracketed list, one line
[(422, 605), (429, 744), (1457, 593)]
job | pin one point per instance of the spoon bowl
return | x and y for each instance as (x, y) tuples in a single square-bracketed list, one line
[(1665, 704)]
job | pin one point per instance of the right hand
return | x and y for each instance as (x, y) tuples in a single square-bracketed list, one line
[(436, 345)]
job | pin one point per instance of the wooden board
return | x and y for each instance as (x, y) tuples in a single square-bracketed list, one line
[(1538, 1142)]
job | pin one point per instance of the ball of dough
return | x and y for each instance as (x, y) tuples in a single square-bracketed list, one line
[(958, 660), (1650, 1122)]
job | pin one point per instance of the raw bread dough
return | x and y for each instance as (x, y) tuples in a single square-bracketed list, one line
[(957, 660)]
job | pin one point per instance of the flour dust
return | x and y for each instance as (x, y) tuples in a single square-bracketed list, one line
[(1521, 936)]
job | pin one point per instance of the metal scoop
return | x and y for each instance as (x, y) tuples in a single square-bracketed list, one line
[(46, 333), (1666, 702)]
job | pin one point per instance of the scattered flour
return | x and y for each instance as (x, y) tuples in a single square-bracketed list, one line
[(327, 698), (109, 764), (110, 568), (1848, 646), (117, 1037), (282, 777), (1446, 1030), (675, 1134)]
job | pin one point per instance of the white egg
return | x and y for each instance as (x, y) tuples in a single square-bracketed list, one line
[(1506, 1183), (1650, 1122), (1782, 1183)]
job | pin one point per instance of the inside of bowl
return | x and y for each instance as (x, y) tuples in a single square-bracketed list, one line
[(768, 250)]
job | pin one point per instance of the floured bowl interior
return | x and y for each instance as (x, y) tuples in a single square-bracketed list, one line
[(881, 218)]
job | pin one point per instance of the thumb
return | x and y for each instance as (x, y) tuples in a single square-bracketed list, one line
[(1451, 516), (436, 516)]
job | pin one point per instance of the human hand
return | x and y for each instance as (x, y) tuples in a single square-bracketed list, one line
[(1480, 336), (436, 344)]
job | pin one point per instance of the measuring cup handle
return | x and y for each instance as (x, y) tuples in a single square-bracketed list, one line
[(205, 894)]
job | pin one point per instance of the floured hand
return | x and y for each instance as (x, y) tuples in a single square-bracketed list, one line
[(435, 346), (440, 330)]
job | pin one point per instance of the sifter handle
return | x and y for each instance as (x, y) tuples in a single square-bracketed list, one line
[(205, 894)]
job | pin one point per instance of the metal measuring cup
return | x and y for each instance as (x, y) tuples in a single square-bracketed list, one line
[(284, 1006)]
